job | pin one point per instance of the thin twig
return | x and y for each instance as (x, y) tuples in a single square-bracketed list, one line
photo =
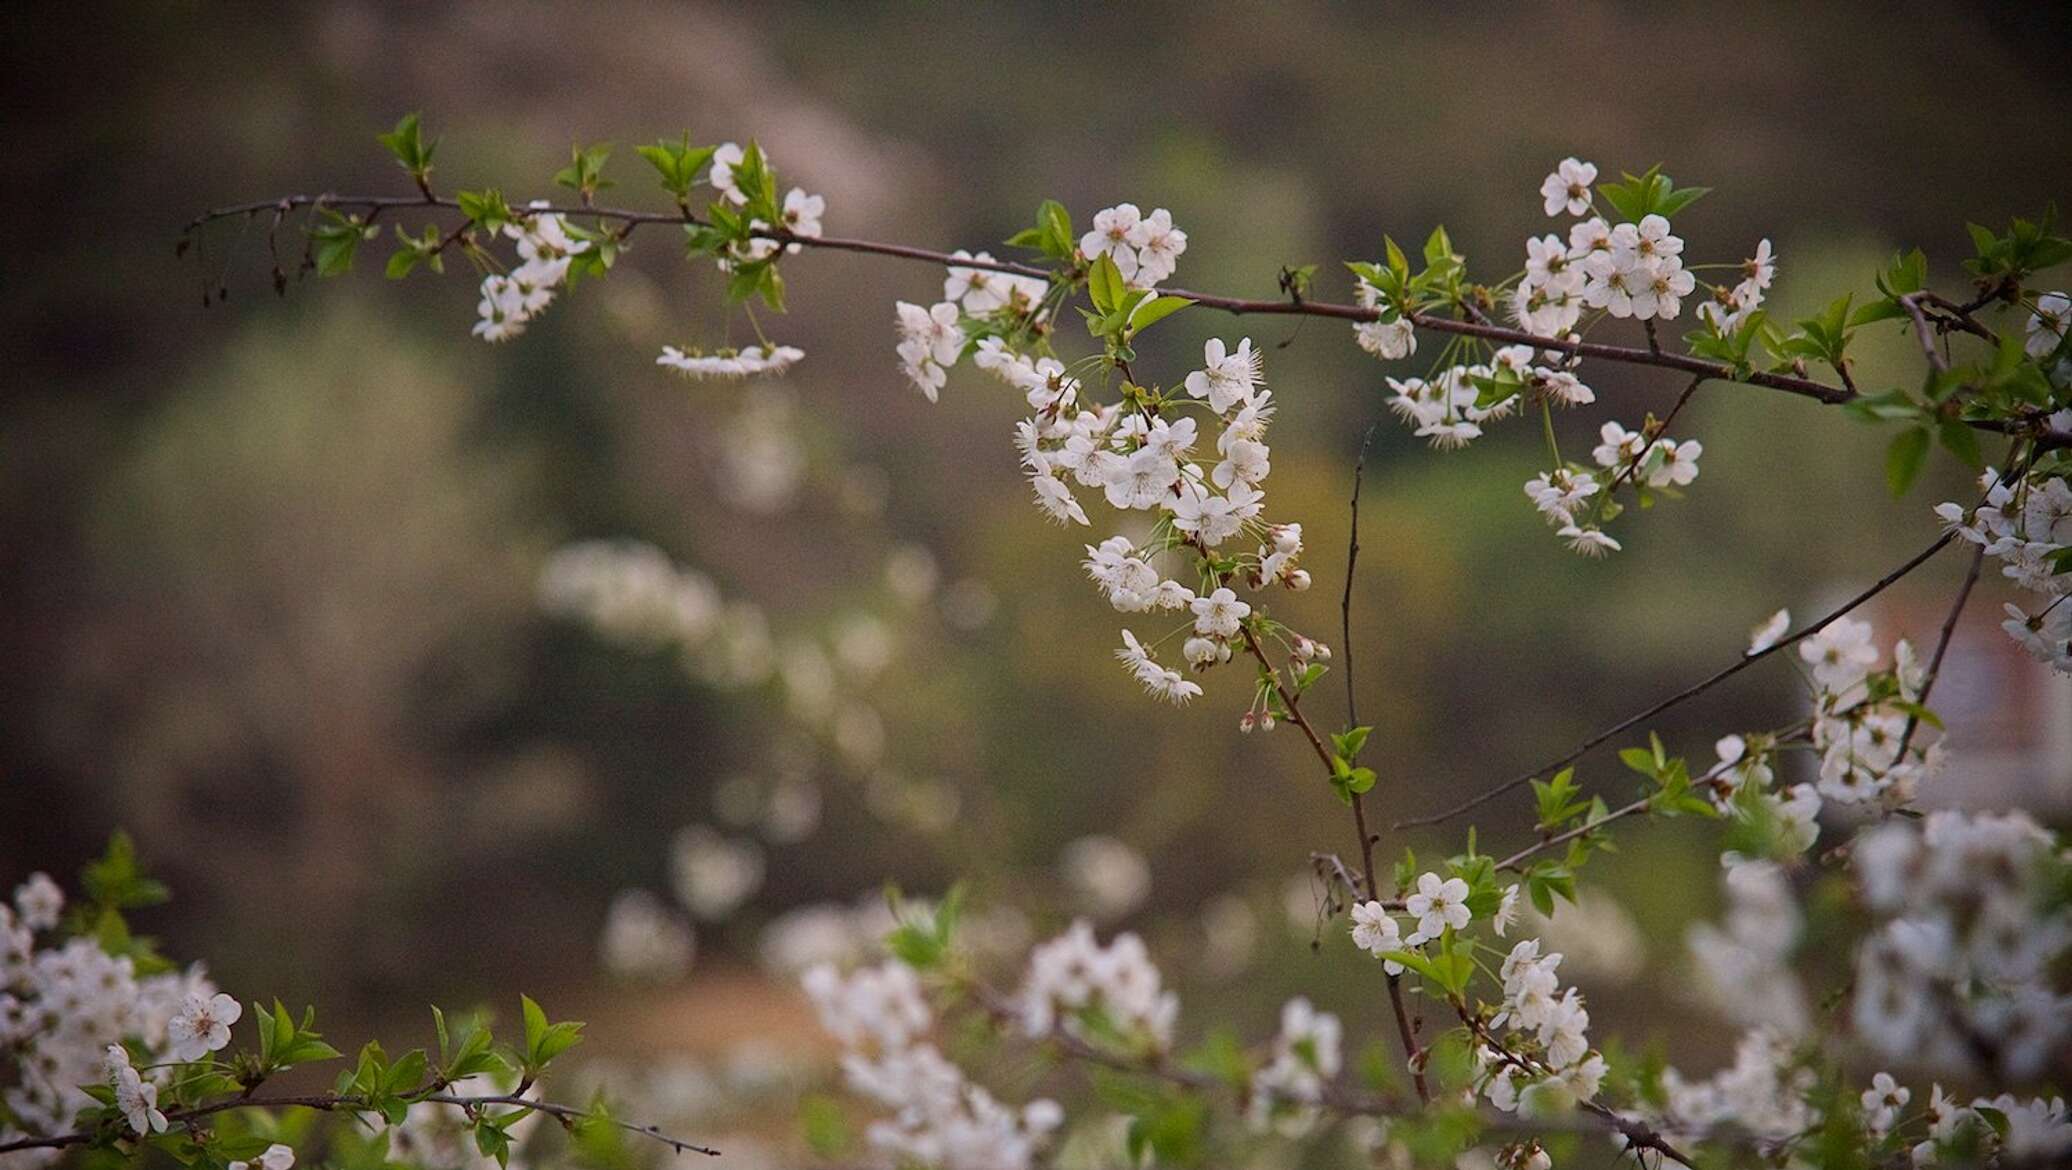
[(1690, 692), (1632, 469), (1942, 646), (1911, 303), (1352, 557), (1413, 1055)]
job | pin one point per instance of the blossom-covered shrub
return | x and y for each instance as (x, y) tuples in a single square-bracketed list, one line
[(1954, 924)]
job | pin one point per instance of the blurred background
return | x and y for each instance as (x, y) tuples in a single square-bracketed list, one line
[(270, 567)]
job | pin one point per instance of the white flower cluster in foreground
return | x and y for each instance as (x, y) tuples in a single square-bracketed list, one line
[(1743, 964), (1548, 1058), (731, 363), (1075, 985), (71, 1014), (437, 1137), (1608, 269), (1768, 1094), (510, 300), (1861, 715), (801, 212), (2026, 525), (1729, 308), (1966, 966), (1306, 1058), (1151, 459), (939, 1118), (1764, 1092), (1146, 248)]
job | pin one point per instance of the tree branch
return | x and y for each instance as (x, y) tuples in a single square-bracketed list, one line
[(1690, 692), (333, 1102)]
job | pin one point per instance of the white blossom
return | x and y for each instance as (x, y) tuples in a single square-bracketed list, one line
[(202, 1025), (1567, 188)]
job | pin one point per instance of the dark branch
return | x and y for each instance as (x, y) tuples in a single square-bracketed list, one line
[(1690, 692)]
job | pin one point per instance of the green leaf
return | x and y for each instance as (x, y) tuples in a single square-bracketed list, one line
[(544, 1041), (407, 143), (1104, 284), (1350, 742), (1438, 249), (1640, 760), (1674, 201), (1397, 262), (1905, 458), (1961, 441), (1054, 224), (535, 1021), (1414, 961), (678, 165), (1150, 312), (1888, 406), (117, 880), (407, 1073), (1628, 199), (585, 171), (486, 209), (824, 1125)]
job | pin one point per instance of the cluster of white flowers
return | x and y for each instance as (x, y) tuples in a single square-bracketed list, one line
[(630, 592), (800, 212), (437, 1137), (633, 593), (932, 338), (940, 1118), (1573, 499), (1743, 963), (1548, 1058), (1447, 408), (1632, 270), (982, 292), (730, 363), (1728, 308), (1073, 977), (1145, 248), (1139, 457), (846, 934), (1769, 1091), (1451, 406), (1286, 1092), (1140, 461), (1388, 340), (1744, 779), (1664, 462), (2037, 1132), (510, 300), (71, 1014), (930, 341), (1764, 1092), (2026, 525), (1434, 905), (1861, 715), (1966, 964)]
